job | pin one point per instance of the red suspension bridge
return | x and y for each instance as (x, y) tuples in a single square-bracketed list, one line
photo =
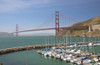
[(56, 28)]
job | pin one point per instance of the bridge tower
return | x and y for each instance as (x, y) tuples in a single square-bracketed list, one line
[(16, 29), (56, 22)]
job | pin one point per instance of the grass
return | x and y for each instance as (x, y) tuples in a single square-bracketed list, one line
[(95, 20)]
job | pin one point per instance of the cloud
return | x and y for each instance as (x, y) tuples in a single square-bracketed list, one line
[(13, 5), (16, 5)]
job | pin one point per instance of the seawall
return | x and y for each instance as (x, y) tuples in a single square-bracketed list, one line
[(15, 49)]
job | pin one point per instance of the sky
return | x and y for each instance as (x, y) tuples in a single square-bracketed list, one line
[(31, 14)]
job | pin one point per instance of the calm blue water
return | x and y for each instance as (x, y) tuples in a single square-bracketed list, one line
[(19, 58), (8, 42)]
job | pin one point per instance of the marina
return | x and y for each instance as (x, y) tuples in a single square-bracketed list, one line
[(32, 50), (75, 53), (74, 56)]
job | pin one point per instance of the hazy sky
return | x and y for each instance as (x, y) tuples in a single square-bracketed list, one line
[(30, 14)]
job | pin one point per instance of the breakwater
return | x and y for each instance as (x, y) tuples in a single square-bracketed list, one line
[(15, 49)]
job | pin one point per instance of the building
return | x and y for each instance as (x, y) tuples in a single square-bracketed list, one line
[(94, 27)]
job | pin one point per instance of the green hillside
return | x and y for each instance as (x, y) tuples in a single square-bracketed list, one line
[(93, 21)]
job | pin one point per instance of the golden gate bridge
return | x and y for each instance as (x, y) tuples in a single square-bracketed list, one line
[(56, 28)]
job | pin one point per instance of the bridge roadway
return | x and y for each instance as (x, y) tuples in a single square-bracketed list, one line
[(71, 27)]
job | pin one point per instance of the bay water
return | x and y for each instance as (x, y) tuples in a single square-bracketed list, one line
[(19, 58)]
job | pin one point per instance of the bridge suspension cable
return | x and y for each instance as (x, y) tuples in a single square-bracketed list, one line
[(56, 28)]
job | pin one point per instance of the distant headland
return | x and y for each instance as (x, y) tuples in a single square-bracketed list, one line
[(5, 34)]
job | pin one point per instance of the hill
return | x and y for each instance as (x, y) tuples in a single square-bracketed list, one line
[(92, 21), (5, 34)]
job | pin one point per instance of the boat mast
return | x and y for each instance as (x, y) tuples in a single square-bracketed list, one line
[(27, 56)]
